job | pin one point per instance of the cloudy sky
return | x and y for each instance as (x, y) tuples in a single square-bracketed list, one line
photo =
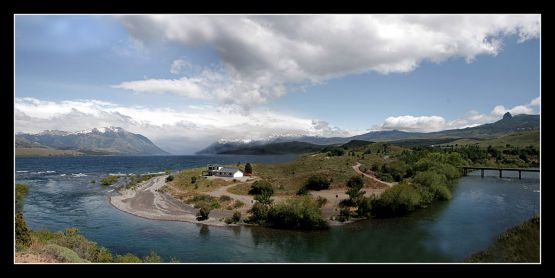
[(186, 81)]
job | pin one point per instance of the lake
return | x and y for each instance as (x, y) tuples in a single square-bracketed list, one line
[(61, 195)]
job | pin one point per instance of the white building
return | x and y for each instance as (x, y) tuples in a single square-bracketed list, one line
[(229, 172), (219, 171)]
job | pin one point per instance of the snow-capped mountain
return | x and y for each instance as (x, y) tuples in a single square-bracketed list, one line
[(104, 140)]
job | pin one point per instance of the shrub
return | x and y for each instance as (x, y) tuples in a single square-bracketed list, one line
[(72, 239), (316, 182), (108, 180), (355, 184), (260, 187), (302, 191), (238, 204), (22, 233), (194, 180), (296, 213), (20, 191), (259, 214), (203, 212), (248, 168), (364, 207), (63, 254), (264, 198), (428, 178), (225, 198), (321, 201), (152, 258), (127, 258), (169, 178), (344, 214), (236, 216), (336, 152), (104, 256), (204, 200), (395, 201)]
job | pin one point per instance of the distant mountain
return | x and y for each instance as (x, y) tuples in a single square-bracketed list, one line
[(508, 124), (277, 148), (106, 140)]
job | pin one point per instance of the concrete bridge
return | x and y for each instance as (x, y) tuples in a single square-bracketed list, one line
[(482, 169)]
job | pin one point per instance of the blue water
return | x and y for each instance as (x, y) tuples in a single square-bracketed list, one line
[(481, 208)]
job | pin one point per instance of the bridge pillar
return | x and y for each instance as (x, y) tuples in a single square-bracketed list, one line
[(500, 171), (519, 174), (482, 170)]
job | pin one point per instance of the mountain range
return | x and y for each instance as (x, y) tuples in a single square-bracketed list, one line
[(508, 124), (97, 141)]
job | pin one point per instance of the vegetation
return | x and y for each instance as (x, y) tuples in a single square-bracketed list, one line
[(22, 233), (20, 192), (169, 178), (136, 180), (203, 212), (518, 244), (317, 182), (261, 187), (234, 219), (248, 168), (336, 152), (108, 180), (296, 213)]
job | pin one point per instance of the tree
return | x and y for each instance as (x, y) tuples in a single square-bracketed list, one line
[(248, 168), (355, 184), (264, 198), (193, 179), (203, 212), (169, 178), (22, 234), (260, 187), (152, 258), (316, 182)]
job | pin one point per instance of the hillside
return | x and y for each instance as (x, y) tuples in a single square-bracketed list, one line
[(509, 124), (102, 141), (277, 148), (518, 139)]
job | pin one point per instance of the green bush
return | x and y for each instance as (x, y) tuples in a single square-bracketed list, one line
[(72, 239), (364, 207), (355, 184), (261, 187), (193, 179), (22, 233), (344, 214), (296, 213), (302, 191), (225, 198), (203, 212), (127, 258), (395, 201), (104, 256), (152, 258), (264, 198), (169, 178), (317, 182), (20, 192), (429, 178), (236, 216), (108, 180), (336, 152), (259, 214), (63, 254)]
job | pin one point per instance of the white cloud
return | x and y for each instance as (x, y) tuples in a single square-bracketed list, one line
[(183, 131), (263, 53), (500, 110), (436, 123), (178, 65), (536, 102), (414, 123)]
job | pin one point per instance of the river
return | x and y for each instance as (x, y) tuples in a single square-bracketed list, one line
[(61, 195)]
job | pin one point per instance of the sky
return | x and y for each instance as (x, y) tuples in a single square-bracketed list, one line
[(186, 81)]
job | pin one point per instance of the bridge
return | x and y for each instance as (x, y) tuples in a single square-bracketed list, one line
[(482, 169)]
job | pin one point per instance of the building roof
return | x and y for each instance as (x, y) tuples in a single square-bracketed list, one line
[(213, 164), (229, 170)]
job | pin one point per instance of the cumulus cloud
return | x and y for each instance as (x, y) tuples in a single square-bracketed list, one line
[(183, 131), (178, 65), (414, 123), (437, 123), (265, 52)]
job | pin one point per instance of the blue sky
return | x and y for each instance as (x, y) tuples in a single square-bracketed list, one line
[(272, 75)]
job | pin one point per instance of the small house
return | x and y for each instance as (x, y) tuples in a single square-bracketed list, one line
[(229, 172)]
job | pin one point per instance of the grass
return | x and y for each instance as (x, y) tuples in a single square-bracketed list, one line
[(108, 180), (182, 181), (288, 178), (519, 139), (519, 244), (45, 152)]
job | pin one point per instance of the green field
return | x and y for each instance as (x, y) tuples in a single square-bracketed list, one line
[(45, 152), (520, 139)]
